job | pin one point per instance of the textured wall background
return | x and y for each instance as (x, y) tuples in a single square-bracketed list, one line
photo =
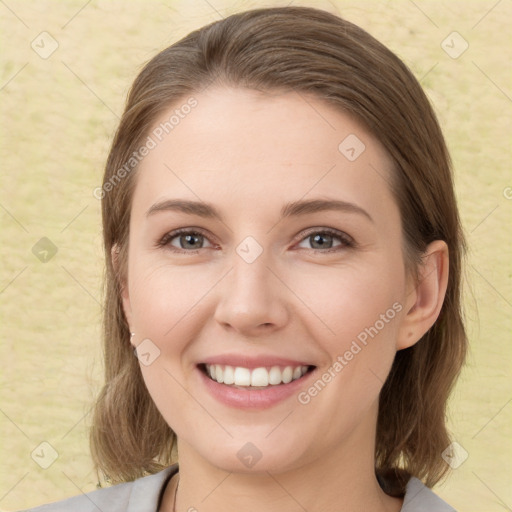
[(66, 68)]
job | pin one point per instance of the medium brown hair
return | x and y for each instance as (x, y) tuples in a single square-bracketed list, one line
[(308, 51)]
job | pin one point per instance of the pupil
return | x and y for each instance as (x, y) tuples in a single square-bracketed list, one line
[(317, 239), (189, 239)]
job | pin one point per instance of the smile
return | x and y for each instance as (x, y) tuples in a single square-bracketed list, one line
[(254, 378)]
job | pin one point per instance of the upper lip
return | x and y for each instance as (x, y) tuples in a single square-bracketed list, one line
[(251, 362)]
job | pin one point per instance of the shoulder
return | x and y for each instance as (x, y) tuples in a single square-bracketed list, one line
[(419, 498), (141, 495)]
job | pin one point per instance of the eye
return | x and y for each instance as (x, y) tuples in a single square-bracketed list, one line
[(187, 240), (325, 240), (184, 240)]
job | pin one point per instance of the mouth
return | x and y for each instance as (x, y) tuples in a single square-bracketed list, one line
[(264, 377)]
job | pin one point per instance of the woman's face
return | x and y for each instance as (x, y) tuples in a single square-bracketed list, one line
[(289, 266)]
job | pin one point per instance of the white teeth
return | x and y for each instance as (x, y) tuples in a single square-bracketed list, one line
[(229, 375), (287, 374), (257, 377), (242, 376), (274, 375)]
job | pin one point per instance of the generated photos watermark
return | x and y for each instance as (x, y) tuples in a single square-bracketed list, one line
[(152, 141), (342, 360)]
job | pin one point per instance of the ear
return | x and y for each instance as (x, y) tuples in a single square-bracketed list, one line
[(425, 300), (123, 286)]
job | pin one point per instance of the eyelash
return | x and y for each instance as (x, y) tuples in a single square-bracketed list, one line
[(347, 241)]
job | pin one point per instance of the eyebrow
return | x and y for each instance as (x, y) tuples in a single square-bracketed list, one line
[(295, 208)]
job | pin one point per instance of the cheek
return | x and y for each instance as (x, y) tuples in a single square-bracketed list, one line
[(360, 315), (165, 298), (166, 302), (353, 303)]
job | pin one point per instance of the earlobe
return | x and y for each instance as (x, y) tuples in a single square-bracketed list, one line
[(125, 297), (425, 301)]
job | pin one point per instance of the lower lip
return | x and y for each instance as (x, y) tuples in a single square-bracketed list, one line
[(253, 398)]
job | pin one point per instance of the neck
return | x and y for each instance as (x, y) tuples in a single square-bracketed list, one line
[(341, 479)]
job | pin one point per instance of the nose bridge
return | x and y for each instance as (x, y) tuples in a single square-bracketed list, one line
[(250, 294)]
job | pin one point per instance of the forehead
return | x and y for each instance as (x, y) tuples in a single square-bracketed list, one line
[(243, 146)]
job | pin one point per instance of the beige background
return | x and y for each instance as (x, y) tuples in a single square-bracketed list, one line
[(58, 115)]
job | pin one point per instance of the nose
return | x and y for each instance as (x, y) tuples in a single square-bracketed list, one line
[(252, 298)]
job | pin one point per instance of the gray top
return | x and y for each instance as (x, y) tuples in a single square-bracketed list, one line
[(145, 494)]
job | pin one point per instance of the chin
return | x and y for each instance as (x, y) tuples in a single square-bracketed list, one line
[(241, 455)]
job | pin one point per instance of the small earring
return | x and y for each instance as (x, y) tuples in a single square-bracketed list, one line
[(132, 335)]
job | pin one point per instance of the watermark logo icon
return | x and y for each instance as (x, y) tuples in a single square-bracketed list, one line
[(44, 250), (454, 45), (249, 249), (44, 454), (351, 147), (44, 45), (147, 352), (249, 455), (454, 455)]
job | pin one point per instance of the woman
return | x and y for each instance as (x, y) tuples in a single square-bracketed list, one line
[(283, 277)]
